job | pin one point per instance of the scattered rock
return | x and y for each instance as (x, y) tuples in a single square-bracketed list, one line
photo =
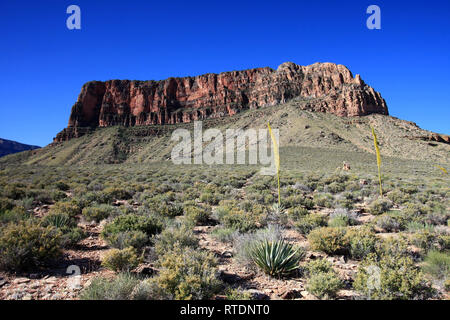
[(258, 295), (291, 294)]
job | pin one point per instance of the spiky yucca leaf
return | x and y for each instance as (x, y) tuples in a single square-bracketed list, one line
[(277, 160), (275, 258), (377, 151)]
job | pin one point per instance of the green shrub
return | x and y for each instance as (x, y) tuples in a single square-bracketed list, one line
[(379, 206), (297, 213), (318, 266), (391, 277), (342, 218), (117, 193), (310, 222), (323, 200), (324, 285), (197, 215), (70, 233), (275, 258), (98, 213), (361, 242), (118, 288), (6, 204), (14, 215), (210, 198), (329, 240), (26, 245), (242, 220), (121, 259), (236, 294), (398, 196), (437, 264), (131, 230), (387, 223), (182, 236), (124, 239), (224, 234), (186, 274), (70, 208)]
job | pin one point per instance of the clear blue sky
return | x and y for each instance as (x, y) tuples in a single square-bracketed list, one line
[(43, 64)]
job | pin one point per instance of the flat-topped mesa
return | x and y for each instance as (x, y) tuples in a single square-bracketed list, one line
[(326, 87)]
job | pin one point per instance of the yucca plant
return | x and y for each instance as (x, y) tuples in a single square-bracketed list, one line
[(275, 258)]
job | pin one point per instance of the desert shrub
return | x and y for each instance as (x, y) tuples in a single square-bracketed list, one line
[(324, 285), (275, 258), (99, 212), (429, 240), (437, 264), (26, 244), (210, 198), (148, 289), (236, 294), (6, 204), (131, 230), (14, 191), (67, 225), (14, 215), (323, 200), (242, 220), (310, 222), (61, 185), (342, 218), (117, 193), (197, 215), (165, 208), (416, 209), (94, 196), (335, 187), (121, 259), (387, 223), (318, 266), (396, 277), (124, 239), (118, 288), (70, 208), (295, 213), (329, 240), (361, 242), (379, 206), (224, 234), (399, 197), (186, 274), (182, 236), (436, 218)]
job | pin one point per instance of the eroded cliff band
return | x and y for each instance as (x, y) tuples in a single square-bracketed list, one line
[(326, 87)]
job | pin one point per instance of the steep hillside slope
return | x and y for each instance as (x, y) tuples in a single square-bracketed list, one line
[(298, 128)]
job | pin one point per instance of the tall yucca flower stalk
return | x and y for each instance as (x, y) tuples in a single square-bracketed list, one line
[(277, 160), (377, 151), (442, 169)]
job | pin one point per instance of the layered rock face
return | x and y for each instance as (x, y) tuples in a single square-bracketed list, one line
[(325, 87)]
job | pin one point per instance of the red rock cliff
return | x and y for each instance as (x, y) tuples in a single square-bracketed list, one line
[(327, 87)]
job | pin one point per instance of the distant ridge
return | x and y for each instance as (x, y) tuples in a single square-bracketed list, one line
[(9, 147)]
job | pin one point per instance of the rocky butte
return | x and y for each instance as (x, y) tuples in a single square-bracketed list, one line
[(325, 87)]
